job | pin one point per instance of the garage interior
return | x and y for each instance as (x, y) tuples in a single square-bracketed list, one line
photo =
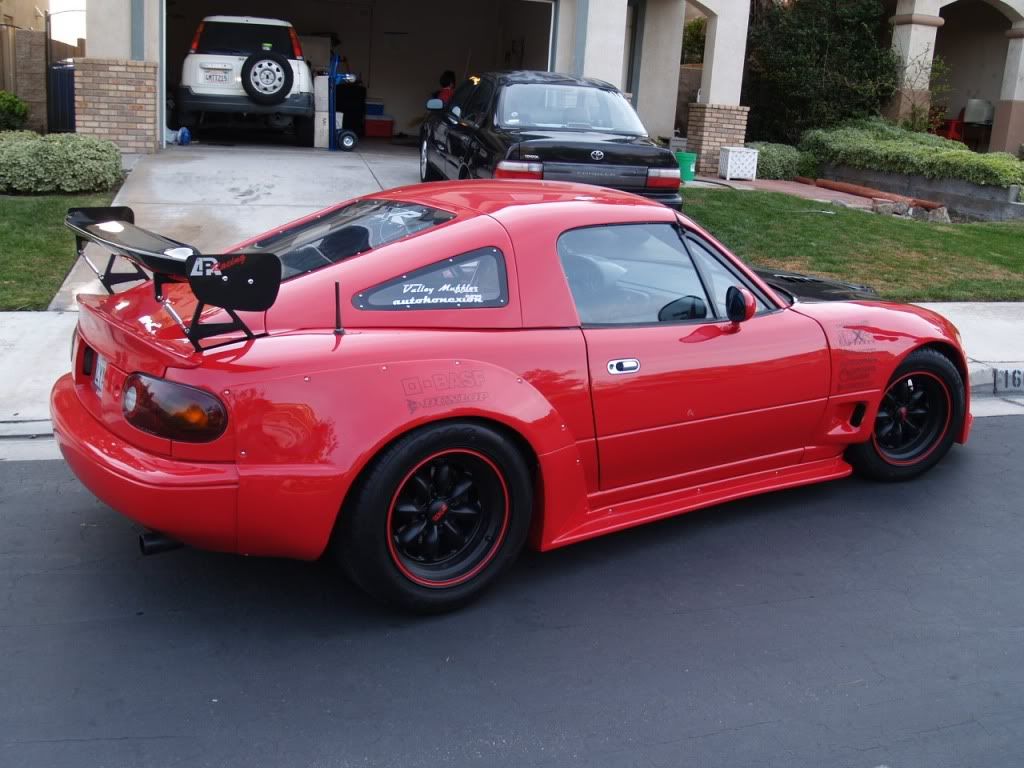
[(398, 48)]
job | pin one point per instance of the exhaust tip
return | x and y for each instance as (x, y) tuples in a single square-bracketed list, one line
[(152, 543)]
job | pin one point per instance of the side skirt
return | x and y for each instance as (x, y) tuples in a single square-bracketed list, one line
[(651, 508)]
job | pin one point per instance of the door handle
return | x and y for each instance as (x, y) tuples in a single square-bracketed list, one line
[(624, 365)]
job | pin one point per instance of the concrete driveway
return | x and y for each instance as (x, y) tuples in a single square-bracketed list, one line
[(214, 196)]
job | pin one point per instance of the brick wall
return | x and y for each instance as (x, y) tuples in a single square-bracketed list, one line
[(116, 99), (30, 75), (713, 126)]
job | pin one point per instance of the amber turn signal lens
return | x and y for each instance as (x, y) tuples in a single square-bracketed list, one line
[(174, 411)]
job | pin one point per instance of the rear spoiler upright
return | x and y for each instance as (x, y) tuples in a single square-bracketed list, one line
[(237, 282)]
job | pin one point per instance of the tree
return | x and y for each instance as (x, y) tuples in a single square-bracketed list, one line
[(814, 64), (694, 36)]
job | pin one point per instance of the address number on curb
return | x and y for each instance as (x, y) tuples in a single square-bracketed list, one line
[(1009, 380)]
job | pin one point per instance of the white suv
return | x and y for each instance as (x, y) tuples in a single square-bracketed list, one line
[(249, 66)]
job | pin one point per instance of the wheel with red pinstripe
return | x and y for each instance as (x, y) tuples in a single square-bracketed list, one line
[(919, 416), (437, 517)]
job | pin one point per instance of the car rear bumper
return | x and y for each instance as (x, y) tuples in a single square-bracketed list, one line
[(668, 197), (193, 502), (298, 104)]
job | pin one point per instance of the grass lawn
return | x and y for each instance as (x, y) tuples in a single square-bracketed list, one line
[(36, 250), (903, 260)]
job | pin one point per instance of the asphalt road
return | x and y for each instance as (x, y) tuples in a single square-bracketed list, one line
[(850, 624)]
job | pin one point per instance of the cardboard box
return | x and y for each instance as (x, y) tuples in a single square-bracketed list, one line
[(320, 93), (322, 127)]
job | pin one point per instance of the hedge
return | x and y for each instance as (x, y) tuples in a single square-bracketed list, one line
[(775, 161), (879, 146), (60, 162), (13, 111)]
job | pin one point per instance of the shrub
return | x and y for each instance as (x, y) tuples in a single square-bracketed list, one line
[(13, 111), (776, 161), (694, 36), (60, 162), (816, 64), (880, 146)]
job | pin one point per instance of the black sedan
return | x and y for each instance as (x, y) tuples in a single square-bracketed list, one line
[(542, 125)]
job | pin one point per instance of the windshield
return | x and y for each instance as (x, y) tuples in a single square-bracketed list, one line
[(567, 108), (227, 38), (356, 228)]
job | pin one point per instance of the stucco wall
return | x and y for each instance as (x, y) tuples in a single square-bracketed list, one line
[(973, 45), (23, 12)]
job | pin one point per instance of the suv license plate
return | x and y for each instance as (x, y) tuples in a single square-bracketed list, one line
[(99, 374), (216, 77), (1009, 380)]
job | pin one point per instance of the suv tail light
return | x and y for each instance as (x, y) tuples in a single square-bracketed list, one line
[(512, 169), (196, 36), (296, 43), (663, 178), (174, 411)]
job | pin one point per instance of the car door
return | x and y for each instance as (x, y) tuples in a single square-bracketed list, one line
[(679, 391), (464, 137), (448, 163)]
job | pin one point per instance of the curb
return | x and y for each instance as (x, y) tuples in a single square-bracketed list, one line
[(982, 379), (26, 429)]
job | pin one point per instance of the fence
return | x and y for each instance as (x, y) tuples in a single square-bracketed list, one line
[(24, 55)]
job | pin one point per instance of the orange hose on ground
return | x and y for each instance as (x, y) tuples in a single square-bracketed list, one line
[(860, 191)]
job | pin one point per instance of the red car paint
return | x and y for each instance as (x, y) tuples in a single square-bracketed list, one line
[(719, 411)]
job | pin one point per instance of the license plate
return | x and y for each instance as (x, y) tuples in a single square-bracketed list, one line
[(1009, 380), (99, 375), (216, 77)]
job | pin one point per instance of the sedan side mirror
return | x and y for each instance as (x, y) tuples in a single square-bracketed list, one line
[(740, 304), (435, 105)]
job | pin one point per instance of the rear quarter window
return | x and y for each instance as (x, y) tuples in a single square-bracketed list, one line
[(472, 280)]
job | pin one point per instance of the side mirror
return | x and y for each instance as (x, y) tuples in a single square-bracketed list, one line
[(740, 304), (435, 105)]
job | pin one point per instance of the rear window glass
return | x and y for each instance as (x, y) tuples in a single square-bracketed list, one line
[(243, 39), (355, 228)]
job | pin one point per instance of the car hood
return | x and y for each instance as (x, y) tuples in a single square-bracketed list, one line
[(811, 288)]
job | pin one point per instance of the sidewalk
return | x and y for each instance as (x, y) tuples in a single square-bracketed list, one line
[(792, 188), (35, 349)]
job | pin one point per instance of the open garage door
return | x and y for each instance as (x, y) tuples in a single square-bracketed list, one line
[(399, 48)]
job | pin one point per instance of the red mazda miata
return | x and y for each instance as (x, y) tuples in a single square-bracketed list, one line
[(426, 379)]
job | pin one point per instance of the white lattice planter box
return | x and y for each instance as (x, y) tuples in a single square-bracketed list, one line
[(738, 163)]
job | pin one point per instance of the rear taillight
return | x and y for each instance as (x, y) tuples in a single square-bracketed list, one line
[(513, 169), (296, 44), (663, 178), (195, 38), (174, 411)]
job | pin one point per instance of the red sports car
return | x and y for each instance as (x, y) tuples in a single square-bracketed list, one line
[(424, 380)]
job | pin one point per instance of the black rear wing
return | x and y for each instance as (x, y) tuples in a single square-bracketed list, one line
[(237, 282)]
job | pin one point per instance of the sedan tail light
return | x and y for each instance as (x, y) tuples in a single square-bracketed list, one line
[(663, 178), (174, 411), (513, 169)]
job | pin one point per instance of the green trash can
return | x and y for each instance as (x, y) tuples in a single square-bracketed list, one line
[(687, 165)]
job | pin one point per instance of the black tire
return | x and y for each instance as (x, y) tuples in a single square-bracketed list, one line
[(402, 497), (427, 170), (267, 77), (347, 140), (304, 131), (921, 413)]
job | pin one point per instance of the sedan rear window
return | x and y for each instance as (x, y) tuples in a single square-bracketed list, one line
[(243, 39), (355, 228), (567, 108)]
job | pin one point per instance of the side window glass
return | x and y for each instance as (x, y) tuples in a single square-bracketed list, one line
[(631, 274), (476, 108), (472, 280), (461, 97), (718, 277)]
